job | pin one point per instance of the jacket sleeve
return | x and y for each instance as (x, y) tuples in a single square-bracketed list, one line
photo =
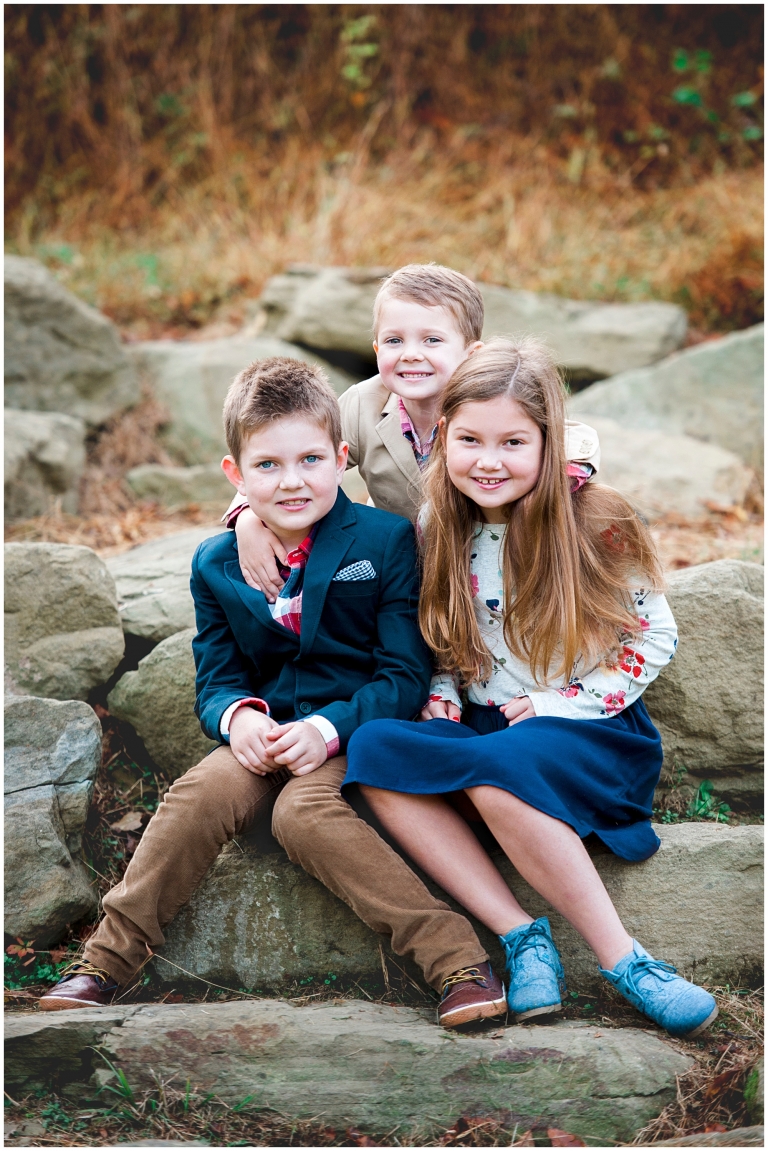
[(223, 674), (349, 402), (607, 689), (400, 682)]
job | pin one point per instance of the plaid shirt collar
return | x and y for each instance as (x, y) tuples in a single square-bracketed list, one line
[(286, 609), (421, 449)]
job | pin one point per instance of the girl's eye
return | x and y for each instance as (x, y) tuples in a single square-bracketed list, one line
[(515, 443), (467, 440)]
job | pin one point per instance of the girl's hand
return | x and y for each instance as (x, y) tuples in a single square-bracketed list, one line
[(441, 709), (258, 549), (517, 709)]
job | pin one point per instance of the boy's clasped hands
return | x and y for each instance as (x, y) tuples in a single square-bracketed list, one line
[(262, 745)]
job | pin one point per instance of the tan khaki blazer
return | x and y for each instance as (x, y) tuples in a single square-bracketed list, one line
[(370, 423)]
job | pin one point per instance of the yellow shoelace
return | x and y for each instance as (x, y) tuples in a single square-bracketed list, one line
[(83, 967), (462, 976)]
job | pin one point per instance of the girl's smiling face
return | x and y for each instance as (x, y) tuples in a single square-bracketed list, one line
[(493, 453)]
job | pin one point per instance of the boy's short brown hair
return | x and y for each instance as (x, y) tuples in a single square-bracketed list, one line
[(436, 286), (275, 389)]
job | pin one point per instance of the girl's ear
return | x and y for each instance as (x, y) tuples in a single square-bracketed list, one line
[(231, 470)]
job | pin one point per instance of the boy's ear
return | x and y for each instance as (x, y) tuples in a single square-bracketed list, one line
[(341, 460), (232, 472), (474, 347), (375, 347)]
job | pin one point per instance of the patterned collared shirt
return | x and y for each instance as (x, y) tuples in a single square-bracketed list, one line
[(287, 607), (421, 449)]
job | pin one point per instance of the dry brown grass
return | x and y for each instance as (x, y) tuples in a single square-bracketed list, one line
[(507, 215), (710, 1096)]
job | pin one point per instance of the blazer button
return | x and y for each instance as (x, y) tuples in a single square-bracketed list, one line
[(305, 708)]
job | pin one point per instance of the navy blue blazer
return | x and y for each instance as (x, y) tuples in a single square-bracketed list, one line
[(360, 654)]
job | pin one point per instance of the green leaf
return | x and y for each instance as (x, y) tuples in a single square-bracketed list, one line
[(753, 132), (681, 61), (687, 96), (703, 61), (744, 99)]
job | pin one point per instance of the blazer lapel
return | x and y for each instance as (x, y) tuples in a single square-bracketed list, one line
[(255, 601), (330, 546), (391, 435)]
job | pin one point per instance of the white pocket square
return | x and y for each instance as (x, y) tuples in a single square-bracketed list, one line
[(363, 569)]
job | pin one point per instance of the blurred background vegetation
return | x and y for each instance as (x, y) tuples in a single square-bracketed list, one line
[(164, 160)]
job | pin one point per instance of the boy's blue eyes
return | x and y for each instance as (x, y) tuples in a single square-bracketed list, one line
[(429, 340), (266, 465)]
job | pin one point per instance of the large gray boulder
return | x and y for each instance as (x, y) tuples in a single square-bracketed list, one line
[(713, 392), (175, 487), (44, 461), (259, 921), (152, 582), (370, 1065), (708, 703), (332, 308), (662, 474), (62, 628), (158, 700), (52, 754), (60, 354), (590, 340), (192, 378)]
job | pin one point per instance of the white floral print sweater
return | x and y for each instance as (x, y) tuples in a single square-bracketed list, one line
[(594, 693)]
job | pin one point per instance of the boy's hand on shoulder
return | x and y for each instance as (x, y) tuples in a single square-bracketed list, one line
[(517, 709), (441, 709), (258, 550), (298, 746), (248, 730)]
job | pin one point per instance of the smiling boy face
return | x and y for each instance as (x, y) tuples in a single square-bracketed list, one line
[(418, 348), (289, 471)]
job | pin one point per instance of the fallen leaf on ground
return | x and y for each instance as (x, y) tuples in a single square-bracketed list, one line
[(357, 1139), (560, 1138), (129, 822)]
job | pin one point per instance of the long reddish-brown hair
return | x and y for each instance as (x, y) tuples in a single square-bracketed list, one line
[(569, 558)]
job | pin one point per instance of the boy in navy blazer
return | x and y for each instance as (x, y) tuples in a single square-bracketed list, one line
[(282, 687)]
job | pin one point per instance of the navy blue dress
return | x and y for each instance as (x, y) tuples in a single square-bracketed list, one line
[(598, 776)]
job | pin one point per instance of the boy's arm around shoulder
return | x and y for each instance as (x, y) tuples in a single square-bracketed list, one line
[(403, 666), (223, 676)]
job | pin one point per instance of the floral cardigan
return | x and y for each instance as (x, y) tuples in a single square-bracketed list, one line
[(595, 693)]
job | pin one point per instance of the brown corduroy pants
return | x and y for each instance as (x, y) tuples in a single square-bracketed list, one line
[(219, 799)]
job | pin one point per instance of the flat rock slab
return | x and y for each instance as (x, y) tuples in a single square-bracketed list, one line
[(739, 1137), (152, 583), (258, 921), (366, 1064)]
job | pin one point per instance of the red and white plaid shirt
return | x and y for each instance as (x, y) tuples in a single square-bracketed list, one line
[(421, 448)]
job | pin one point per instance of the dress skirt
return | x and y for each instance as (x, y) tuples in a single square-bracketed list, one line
[(597, 775)]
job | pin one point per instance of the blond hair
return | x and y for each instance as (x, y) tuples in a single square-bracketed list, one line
[(569, 559), (435, 286), (274, 389)]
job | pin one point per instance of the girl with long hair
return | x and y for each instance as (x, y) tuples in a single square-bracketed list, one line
[(542, 603)]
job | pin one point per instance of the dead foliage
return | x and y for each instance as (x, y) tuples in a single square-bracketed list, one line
[(189, 152), (710, 1096)]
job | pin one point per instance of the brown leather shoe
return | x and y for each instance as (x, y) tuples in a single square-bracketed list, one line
[(471, 993), (82, 985)]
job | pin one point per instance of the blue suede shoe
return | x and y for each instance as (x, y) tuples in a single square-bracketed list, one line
[(681, 1008), (536, 979)]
